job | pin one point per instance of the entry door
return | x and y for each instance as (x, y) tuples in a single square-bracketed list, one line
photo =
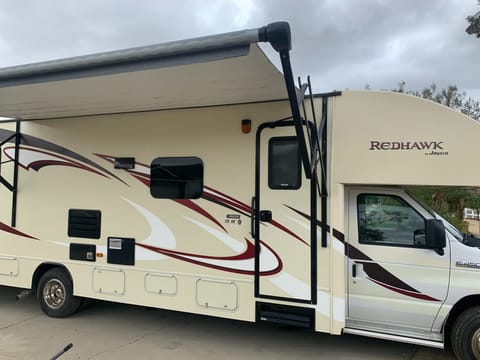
[(394, 285), (282, 226)]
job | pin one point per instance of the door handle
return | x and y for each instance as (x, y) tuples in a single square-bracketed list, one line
[(354, 270)]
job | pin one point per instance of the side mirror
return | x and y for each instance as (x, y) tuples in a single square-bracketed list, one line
[(435, 235)]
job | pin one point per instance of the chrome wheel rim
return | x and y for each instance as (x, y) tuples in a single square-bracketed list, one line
[(54, 293), (476, 344)]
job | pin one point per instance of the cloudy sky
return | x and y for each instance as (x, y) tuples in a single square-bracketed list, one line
[(340, 43)]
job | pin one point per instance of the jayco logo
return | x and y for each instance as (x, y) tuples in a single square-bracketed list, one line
[(434, 148)]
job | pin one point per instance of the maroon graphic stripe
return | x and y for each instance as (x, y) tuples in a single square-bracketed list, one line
[(193, 206), (6, 228), (248, 254), (413, 294), (62, 161), (236, 203), (35, 142)]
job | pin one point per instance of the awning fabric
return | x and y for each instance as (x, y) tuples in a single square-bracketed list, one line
[(215, 70)]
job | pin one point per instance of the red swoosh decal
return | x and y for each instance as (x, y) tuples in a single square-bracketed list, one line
[(6, 228), (225, 263), (413, 294), (36, 161)]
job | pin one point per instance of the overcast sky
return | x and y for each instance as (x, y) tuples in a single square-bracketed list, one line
[(340, 43)]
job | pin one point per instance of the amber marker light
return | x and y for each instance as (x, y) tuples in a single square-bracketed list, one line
[(246, 126), (99, 255)]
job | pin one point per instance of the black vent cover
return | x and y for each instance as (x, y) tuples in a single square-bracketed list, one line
[(84, 223)]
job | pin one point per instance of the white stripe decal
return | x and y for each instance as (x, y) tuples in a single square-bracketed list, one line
[(160, 235), (291, 285)]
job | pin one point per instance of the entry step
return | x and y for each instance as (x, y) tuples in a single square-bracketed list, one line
[(286, 314)]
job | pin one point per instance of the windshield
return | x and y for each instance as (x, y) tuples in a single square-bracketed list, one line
[(449, 227)]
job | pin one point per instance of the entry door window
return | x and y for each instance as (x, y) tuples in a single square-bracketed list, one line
[(389, 220), (284, 170)]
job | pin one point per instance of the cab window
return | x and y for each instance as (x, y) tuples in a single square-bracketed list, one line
[(389, 220)]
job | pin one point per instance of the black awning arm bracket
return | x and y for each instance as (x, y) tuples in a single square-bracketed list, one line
[(279, 36)]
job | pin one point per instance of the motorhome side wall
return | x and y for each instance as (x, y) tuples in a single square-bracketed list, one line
[(192, 255)]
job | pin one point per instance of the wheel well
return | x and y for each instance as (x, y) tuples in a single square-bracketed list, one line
[(458, 308), (42, 269)]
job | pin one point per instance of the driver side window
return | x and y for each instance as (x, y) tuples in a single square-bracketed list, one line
[(389, 220)]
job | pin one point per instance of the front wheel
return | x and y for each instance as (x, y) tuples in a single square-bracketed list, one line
[(55, 294), (465, 336)]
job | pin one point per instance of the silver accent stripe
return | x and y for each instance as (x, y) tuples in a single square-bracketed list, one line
[(404, 339)]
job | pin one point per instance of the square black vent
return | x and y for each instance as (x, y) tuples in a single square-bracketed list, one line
[(84, 223)]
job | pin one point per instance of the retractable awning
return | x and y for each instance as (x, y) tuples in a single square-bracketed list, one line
[(214, 70)]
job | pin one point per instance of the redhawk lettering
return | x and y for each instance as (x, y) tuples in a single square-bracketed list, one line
[(406, 145)]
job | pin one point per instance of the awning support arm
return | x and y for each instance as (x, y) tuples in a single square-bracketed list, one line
[(279, 36)]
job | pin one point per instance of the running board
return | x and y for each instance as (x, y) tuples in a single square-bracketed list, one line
[(286, 314), (404, 339)]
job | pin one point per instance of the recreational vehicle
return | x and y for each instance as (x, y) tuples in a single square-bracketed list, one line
[(195, 176)]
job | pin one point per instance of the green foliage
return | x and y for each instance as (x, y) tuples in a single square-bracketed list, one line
[(449, 202)]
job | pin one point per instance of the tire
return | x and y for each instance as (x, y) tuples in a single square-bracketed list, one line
[(55, 294), (465, 335)]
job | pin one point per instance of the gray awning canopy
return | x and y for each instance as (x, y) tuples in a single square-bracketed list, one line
[(215, 70)]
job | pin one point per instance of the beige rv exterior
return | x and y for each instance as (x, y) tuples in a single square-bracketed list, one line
[(241, 247)]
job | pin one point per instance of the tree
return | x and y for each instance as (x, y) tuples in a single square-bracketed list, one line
[(449, 202), (474, 25)]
